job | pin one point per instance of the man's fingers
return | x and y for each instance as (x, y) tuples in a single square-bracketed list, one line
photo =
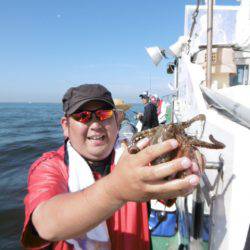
[(164, 170), (124, 146), (174, 188), (150, 153), (187, 192), (195, 168), (143, 143)]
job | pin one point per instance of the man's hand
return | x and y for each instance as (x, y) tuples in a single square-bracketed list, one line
[(134, 180), (139, 116)]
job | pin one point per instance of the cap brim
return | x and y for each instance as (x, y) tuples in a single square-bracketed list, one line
[(81, 103)]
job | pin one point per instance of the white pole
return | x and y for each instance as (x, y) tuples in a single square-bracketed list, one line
[(209, 42)]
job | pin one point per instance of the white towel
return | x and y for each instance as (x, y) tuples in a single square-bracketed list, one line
[(80, 177)]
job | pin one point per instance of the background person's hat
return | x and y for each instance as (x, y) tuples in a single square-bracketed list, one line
[(75, 97), (144, 94), (120, 104)]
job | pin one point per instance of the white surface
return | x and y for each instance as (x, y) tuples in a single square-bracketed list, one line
[(235, 109), (224, 22), (240, 94), (139, 126), (231, 208), (242, 30), (155, 54), (156, 205)]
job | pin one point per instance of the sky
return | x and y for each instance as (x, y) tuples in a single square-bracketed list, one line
[(48, 46)]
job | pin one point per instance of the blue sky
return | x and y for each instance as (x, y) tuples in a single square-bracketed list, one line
[(48, 46)]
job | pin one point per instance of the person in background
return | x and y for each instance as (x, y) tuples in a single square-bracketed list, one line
[(153, 99), (162, 107), (127, 129), (149, 117), (82, 197)]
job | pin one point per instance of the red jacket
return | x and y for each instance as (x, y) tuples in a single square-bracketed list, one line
[(48, 176)]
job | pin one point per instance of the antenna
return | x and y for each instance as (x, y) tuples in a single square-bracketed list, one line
[(149, 82)]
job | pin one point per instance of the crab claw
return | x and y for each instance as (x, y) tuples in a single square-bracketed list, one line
[(218, 144)]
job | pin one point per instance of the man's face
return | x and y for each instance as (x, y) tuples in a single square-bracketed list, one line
[(95, 139), (144, 100)]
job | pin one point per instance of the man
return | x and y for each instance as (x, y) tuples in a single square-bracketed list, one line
[(149, 117), (79, 198)]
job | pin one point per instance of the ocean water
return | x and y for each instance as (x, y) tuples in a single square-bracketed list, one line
[(26, 131)]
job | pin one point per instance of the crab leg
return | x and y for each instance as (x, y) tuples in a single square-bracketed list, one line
[(187, 124), (214, 145)]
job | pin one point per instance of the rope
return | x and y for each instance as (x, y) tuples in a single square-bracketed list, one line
[(194, 16)]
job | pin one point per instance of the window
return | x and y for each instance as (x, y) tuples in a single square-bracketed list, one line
[(241, 77)]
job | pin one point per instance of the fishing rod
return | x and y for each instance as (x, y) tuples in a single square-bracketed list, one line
[(134, 112)]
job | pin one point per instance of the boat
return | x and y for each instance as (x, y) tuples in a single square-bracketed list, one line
[(212, 77)]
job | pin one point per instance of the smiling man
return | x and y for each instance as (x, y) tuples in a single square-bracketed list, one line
[(82, 196)]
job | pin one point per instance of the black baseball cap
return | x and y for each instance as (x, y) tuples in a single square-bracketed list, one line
[(144, 95), (75, 97)]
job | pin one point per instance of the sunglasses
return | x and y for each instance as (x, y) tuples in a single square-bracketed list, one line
[(86, 116)]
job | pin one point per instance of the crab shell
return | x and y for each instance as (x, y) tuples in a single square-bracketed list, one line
[(163, 133)]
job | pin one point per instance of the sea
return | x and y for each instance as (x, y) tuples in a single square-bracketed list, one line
[(27, 130)]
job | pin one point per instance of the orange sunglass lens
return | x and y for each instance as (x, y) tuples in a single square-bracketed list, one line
[(104, 114), (82, 117)]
